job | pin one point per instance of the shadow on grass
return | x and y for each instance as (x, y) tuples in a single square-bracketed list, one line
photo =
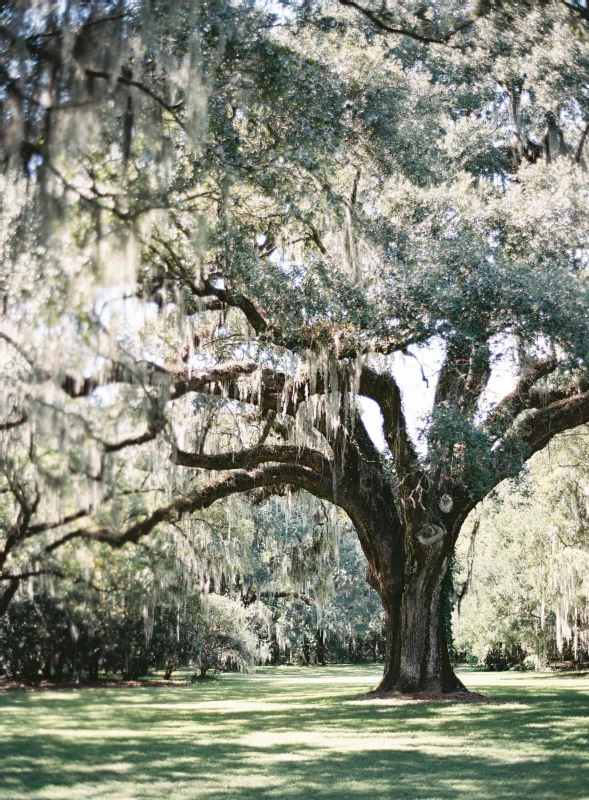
[(295, 735)]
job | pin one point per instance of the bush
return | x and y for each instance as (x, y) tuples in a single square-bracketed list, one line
[(55, 639), (44, 637), (500, 659), (496, 660)]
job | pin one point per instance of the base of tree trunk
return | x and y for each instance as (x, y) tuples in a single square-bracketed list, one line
[(462, 696)]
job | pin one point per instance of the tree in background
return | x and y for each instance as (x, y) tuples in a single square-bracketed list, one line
[(225, 225), (527, 563)]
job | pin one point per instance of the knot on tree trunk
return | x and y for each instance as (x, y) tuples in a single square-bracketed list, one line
[(430, 533), (446, 503)]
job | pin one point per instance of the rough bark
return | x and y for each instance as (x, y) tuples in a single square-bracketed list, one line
[(416, 655), (407, 563), (8, 594), (421, 661)]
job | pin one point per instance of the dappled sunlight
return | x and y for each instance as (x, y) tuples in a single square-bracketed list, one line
[(297, 734)]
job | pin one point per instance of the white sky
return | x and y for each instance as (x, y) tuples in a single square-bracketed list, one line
[(417, 376)]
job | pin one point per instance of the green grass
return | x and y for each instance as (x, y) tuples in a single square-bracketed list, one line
[(299, 734)]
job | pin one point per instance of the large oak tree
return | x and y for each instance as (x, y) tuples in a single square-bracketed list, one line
[(225, 226)]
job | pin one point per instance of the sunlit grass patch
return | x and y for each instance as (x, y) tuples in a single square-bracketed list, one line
[(297, 733)]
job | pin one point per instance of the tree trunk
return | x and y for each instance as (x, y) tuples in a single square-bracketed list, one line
[(47, 666), (169, 668), (408, 543), (8, 594), (320, 647), (416, 652), (94, 665), (306, 652)]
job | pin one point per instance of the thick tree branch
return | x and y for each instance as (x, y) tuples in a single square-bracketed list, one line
[(423, 37), (153, 429), (522, 397), (41, 527), (542, 425), (578, 9), (290, 593), (181, 380), (273, 392), (541, 398), (535, 431), (317, 337), (13, 423), (8, 594), (384, 390), (185, 381), (126, 80), (19, 349), (253, 457), (579, 150), (464, 375), (270, 421), (20, 530), (236, 482), (250, 308), (33, 573)]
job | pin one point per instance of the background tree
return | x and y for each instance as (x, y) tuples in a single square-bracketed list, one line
[(527, 565), (264, 212)]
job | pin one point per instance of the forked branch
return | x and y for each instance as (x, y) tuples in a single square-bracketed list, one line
[(383, 388), (542, 425)]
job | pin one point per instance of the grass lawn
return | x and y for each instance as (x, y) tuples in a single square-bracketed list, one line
[(301, 734)]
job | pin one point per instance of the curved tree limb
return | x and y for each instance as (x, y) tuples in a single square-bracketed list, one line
[(41, 527), (9, 593), (290, 593), (203, 497), (542, 425), (423, 37), (383, 389), (127, 80), (180, 379), (464, 375), (13, 423), (154, 428), (335, 338), (521, 397)]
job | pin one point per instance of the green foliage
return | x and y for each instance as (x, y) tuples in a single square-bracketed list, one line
[(224, 639), (529, 584), (78, 636), (145, 608)]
